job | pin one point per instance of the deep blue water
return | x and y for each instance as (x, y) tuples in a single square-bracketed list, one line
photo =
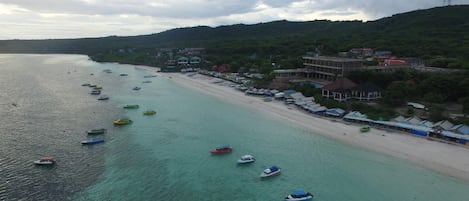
[(166, 156)]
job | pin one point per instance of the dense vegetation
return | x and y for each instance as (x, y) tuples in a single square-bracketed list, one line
[(438, 35)]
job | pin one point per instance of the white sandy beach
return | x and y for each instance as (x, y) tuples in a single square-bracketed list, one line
[(445, 158)]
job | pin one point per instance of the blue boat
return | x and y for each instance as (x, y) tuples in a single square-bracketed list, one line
[(299, 195), (273, 170), (92, 141)]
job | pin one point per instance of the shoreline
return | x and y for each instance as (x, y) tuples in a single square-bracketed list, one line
[(440, 157)]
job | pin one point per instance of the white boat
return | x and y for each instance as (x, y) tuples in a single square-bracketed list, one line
[(103, 97), (273, 170), (299, 195), (45, 161), (246, 159)]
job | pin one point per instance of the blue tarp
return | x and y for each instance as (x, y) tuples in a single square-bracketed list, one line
[(273, 168), (299, 192)]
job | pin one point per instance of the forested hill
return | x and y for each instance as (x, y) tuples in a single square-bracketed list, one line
[(438, 32)]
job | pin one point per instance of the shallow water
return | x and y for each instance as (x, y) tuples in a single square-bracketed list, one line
[(166, 156)]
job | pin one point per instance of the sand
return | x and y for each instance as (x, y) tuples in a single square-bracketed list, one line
[(448, 159)]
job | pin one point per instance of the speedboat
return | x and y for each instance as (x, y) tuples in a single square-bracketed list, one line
[(131, 106), (92, 141), (299, 195), (122, 121), (222, 149), (45, 161), (246, 159), (103, 97), (273, 170), (149, 112), (96, 131), (136, 88)]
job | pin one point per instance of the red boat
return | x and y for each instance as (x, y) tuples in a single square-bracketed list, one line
[(222, 149)]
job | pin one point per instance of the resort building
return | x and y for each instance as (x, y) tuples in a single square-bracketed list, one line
[(182, 61), (329, 68), (366, 91), (195, 60), (340, 90)]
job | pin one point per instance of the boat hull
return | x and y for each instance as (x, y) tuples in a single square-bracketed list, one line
[(264, 175), (307, 198), (38, 162), (88, 142)]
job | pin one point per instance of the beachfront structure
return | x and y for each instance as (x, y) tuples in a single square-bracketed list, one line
[(442, 125), (329, 68), (182, 61), (340, 90), (366, 91), (195, 60)]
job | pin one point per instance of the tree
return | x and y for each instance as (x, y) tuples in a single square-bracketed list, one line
[(465, 105)]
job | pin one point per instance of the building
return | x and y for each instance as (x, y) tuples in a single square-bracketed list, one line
[(329, 68), (340, 90), (366, 91)]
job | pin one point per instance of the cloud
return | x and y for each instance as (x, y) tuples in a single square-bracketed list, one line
[(94, 18)]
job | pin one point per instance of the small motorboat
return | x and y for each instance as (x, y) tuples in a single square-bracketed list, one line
[(122, 121), (85, 84), (123, 74), (103, 97), (222, 149), (147, 81), (95, 92), (273, 170), (149, 112), (98, 87), (92, 85), (246, 159), (299, 195), (365, 129), (136, 88), (45, 161), (92, 141), (135, 106), (96, 131)]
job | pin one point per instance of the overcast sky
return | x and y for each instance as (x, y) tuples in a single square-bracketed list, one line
[(42, 19)]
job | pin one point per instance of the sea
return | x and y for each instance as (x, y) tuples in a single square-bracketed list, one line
[(45, 112)]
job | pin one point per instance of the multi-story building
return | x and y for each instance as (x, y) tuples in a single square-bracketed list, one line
[(329, 68)]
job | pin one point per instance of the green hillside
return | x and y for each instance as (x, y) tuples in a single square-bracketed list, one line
[(439, 35)]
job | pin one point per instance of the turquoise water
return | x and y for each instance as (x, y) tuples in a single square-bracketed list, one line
[(166, 156)]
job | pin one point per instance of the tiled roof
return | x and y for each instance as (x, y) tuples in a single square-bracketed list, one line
[(340, 84)]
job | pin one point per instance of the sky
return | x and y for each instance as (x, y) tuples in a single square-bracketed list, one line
[(53, 19)]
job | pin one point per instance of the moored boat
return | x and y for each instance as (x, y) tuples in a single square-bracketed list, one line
[(96, 131), (149, 112), (123, 74), (85, 84), (92, 141), (45, 161), (222, 149), (246, 159), (272, 171), (136, 88), (364, 129), (299, 195), (103, 97), (122, 121), (147, 81), (95, 92), (135, 106)]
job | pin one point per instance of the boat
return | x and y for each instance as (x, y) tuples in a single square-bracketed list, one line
[(98, 87), (122, 121), (96, 131), (123, 74), (92, 85), (147, 81), (92, 141), (299, 195), (136, 88), (103, 97), (95, 92), (272, 171), (222, 149), (131, 106), (45, 161), (85, 84), (149, 76), (364, 129), (149, 112), (246, 159)]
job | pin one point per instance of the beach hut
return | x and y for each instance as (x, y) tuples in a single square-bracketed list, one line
[(335, 112)]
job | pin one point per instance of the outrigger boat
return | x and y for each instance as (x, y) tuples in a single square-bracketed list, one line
[(131, 106), (96, 131), (122, 121)]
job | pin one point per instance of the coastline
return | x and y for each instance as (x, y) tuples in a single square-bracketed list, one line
[(441, 157)]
